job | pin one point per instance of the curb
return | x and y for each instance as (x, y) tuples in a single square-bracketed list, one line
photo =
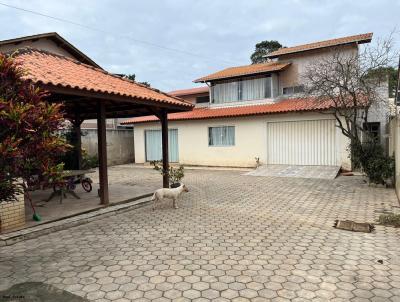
[(65, 223)]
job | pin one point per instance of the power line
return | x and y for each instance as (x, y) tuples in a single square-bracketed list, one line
[(151, 44)]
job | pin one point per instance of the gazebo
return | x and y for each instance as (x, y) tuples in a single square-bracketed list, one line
[(88, 92)]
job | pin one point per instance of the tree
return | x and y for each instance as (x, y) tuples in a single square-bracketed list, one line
[(352, 85), (132, 77), (29, 140), (262, 49)]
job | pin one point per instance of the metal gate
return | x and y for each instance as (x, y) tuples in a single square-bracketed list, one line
[(310, 142)]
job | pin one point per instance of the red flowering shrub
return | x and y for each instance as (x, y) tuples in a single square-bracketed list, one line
[(29, 140)]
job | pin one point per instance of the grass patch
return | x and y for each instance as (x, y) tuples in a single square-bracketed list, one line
[(390, 219)]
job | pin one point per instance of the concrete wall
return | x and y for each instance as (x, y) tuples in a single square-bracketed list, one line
[(250, 140), (120, 145)]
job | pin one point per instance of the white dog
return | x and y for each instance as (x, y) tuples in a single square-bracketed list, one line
[(168, 193)]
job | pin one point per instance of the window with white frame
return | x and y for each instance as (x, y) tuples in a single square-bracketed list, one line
[(242, 90), (221, 136)]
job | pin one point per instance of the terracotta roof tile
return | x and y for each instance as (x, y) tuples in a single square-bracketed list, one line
[(244, 70), (51, 69), (363, 38), (189, 91), (287, 105)]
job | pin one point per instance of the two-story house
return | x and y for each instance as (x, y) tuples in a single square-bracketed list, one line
[(253, 111)]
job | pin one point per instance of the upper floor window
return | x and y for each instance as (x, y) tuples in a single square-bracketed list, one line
[(242, 90), (221, 136), (202, 99), (292, 90)]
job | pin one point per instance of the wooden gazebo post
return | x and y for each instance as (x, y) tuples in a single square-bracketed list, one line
[(102, 151), (164, 134)]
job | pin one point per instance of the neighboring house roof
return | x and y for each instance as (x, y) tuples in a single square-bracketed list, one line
[(60, 41), (189, 91), (54, 70), (287, 105), (238, 71), (359, 39)]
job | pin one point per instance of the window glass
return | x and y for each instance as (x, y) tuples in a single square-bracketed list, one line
[(292, 90), (221, 136), (242, 90), (287, 90)]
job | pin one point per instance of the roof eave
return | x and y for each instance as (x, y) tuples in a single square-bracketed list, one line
[(200, 80), (274, 56)]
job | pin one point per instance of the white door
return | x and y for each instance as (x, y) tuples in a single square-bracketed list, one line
[(302, 143), (153, 145)]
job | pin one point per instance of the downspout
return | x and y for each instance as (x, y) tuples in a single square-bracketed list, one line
[(396, 96)]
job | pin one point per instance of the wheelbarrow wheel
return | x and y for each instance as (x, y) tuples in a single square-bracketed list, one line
[(86, 185)]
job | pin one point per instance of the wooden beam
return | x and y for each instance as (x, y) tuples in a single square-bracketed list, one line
[(102, 152), (125, 114), (164, 135)]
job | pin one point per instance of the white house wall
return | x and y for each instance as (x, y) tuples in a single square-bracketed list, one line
[(250, 140)]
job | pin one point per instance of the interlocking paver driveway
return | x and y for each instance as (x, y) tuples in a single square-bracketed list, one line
[(234, 237)]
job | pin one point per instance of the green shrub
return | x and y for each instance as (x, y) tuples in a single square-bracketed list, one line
[(371, 157), (29, 126), (175, 175), (89, 161)]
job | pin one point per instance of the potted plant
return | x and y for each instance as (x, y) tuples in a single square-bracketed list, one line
[(175, 175)]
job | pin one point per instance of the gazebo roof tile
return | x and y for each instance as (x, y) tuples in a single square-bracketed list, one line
[(43, 67)]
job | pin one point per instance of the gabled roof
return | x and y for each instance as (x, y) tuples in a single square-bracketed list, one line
[(189, 91), (359, 39), (287, 105), (60, 41), (238, 71), (52, 70)]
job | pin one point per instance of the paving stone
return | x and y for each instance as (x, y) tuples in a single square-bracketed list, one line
[(210, 294), (191, 294), (234, 238)]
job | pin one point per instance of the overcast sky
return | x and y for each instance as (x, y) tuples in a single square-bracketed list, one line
[(218, 33)]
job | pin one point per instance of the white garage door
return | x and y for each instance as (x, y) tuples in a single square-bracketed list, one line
[(302, 143)]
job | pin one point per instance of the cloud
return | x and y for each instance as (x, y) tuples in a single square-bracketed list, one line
[(222, 32)]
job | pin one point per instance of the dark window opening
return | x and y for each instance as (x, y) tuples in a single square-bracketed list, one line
[(202, 99), (373, 130)]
